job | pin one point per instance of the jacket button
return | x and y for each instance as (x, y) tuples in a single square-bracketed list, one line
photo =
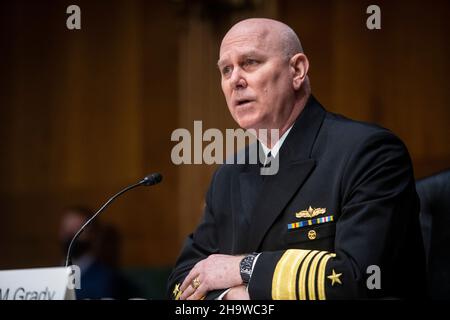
[(312, 234)]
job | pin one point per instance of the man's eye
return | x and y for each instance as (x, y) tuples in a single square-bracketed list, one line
[(226, 70), (250, 62)]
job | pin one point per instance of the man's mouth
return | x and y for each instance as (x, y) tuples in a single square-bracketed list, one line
[(243, 102)]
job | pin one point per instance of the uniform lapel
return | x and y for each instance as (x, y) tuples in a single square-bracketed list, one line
[(295, 165), (249, 186)]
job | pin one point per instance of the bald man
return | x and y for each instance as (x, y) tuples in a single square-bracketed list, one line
[(339, 220)]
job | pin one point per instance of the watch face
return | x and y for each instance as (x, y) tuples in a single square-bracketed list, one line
[(246, 268)]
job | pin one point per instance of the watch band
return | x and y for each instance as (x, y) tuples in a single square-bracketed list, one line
[(246, 267)]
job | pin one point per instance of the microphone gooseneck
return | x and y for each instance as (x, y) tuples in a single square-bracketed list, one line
[(149, 180)]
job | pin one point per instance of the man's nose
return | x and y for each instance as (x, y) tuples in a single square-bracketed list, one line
[(237, 80)]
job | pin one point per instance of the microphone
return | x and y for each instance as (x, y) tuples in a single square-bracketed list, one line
[(149, 180)]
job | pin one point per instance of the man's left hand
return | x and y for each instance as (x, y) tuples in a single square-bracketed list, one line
[(218, 271)]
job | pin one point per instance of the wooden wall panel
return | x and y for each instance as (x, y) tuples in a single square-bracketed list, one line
[(394, 77), (86, 113)]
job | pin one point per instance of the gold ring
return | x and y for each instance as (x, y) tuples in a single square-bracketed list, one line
[(195, 283)]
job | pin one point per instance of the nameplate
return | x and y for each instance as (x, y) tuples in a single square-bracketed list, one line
[(37, 284)]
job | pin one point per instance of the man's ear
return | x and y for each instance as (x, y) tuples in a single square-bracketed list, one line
[(299, 66)]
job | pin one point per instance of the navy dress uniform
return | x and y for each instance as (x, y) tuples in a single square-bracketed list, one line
[(341, 210)]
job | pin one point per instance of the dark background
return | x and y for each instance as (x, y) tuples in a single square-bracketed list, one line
[(86, 112)]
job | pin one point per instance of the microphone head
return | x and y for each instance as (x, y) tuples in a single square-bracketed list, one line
[(151, 179)]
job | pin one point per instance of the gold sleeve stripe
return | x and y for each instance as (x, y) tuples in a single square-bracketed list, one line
[(285, 275), (279, 275), (321, 275), (299, 257), (313, 276), (302, 277)]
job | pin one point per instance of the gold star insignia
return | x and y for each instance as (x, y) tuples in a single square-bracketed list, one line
[(334, 277), (177, 292)]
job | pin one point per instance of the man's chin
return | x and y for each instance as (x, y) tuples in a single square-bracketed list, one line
[(248, 123)]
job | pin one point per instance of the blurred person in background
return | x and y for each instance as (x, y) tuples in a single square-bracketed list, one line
[(95, 252)]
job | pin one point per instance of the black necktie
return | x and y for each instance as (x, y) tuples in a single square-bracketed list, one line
[(268, 160)]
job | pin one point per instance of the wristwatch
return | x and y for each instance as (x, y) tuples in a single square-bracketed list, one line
[(246, 267)]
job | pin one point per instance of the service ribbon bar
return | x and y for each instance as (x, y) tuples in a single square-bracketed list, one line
[(310, 222)]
